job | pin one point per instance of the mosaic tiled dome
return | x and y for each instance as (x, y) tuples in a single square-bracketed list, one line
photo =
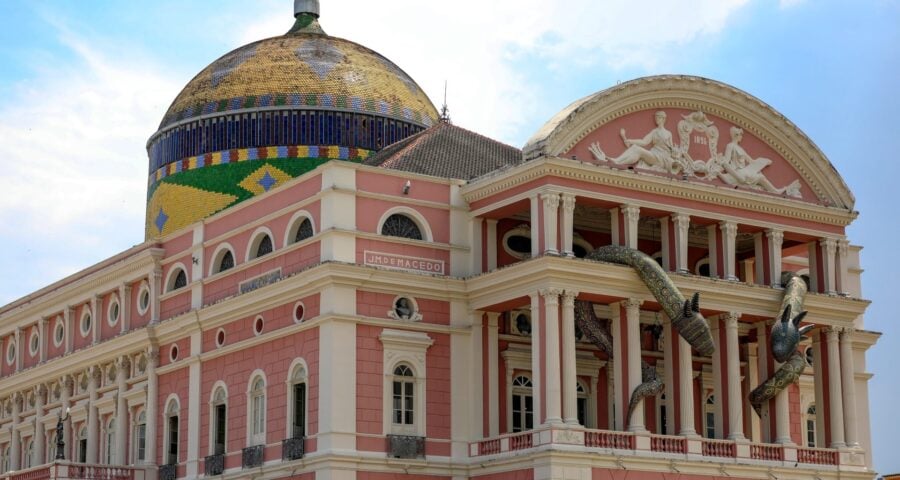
[(270, 111)]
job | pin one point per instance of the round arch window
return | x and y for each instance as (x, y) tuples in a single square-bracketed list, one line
[(112, 316), (399, 225), (144, 299), (85, 324), (258, 325), (34, 343), (220, 337), (299, 312), (173, 352), (59, 332), (11, 353)]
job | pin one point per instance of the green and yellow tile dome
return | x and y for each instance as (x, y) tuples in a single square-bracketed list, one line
[(275, 109)]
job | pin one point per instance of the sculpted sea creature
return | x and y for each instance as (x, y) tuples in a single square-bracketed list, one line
[(785, 338), (685, 314), (651, 385)]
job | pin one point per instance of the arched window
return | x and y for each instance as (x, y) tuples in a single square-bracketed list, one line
[(522, 404), (140, 438), (28, 455), (709, 416), (261, 244), (110, 452), (301, 230), (219, 424), (177, 279), (702, 267), (399, 225), (298, 402), (226, 262), (264, 247), (811, 426), (172, 427), (404, 397), (257, 414), (82, 445), (582, 403)]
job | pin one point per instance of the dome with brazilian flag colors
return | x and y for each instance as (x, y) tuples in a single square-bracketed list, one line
[(270, 111)]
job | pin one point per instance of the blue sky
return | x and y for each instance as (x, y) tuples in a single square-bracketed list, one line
[(84, 84)]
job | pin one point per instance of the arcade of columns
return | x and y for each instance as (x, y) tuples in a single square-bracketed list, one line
[(552, 231)]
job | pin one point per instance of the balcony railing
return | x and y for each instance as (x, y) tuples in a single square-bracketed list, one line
[(252, 456), (168, 472), (406, 446), (214, 464), (674, 446), (63, 470), (292, 448)]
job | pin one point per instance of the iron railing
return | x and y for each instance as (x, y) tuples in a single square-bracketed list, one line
[(406, 446), (252, 456), (292, 448)]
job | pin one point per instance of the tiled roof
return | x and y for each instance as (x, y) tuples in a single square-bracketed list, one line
[(445, 150)]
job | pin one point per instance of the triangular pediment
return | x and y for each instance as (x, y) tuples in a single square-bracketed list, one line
[(696, 130)]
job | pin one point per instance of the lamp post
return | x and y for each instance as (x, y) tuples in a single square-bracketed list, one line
[(60, 443)]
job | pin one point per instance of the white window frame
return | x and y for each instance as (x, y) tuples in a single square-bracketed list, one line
[(522, 391), (86, 314), (113, 302), (144, 288), (140, 418), (255, 240), (298, 373), (172, 275), (709, 408), (810, 417), (294, 225), (412, 214), (109, 453), (256, 399), (59, 325), (34, 347), (218, 255), (406, 347), (217, 396), (173, 409)]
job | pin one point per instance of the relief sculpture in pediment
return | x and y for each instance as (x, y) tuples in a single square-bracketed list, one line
[(657, 151)]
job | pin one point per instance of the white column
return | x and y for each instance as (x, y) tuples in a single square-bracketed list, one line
[(476, 416), (491, 246), (40, 394), (829, 251), (775, 238), (69, 322), (66, 383), (735, 414), (42, 331), (752, 382), (720, 409), (686, 392), (551, 221), (568, 223), (193, 406), (631, 215), (15, 439), (96, 317), (150, 405), (762, 350), (124, 307), (535, 206), (843, 247), (477, 245), (782, 416), (712, 241), (835, 398), (537, 386), (848, 388), (759, 266), (18, 340), (93, 437), (633, 326), (682, 224), (122, 420), (569, 370), (155, 281), (819, 385), (729, 259), (493, 352), (552, 360)]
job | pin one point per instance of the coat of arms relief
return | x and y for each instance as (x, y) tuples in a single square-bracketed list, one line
[(657, 151)]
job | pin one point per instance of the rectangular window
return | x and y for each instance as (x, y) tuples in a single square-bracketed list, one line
[(582, 411), (172, 450), (220, 430), (141, 442), (299, 423)]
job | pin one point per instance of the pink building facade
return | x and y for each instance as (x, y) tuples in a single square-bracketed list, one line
[(411, 314)]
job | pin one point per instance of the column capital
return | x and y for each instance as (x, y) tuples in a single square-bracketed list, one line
[(631, 212), (831, 334), (632, 303), (775, 235), (731, 319), (125, 287), (550, 199), (551, 295), (843, 247), (568, 297), (681, 219), (729, 227), (829, 243), (568, 202), (153, 357), (847, 332)]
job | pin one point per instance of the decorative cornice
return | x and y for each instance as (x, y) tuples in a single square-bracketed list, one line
[(653, 184)]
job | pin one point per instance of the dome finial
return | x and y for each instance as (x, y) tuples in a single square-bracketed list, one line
[(309, 7)]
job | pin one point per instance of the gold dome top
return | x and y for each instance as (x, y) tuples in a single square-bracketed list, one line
[(307, 69)]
